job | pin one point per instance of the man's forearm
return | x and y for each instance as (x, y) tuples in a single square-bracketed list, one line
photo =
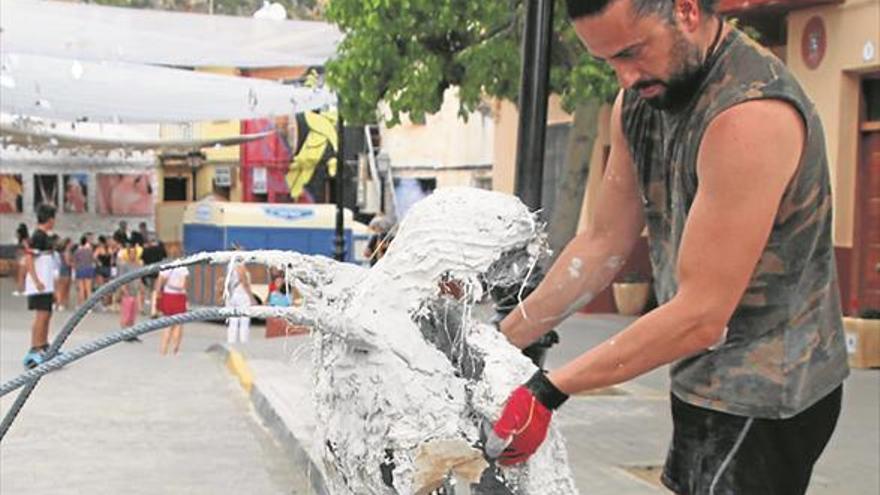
[(670, 332), (583, 270)]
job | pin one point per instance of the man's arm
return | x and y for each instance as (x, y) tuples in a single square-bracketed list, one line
[(747, 158), (591, 260)]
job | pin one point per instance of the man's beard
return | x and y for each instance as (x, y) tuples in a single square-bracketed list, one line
[(684, 81)]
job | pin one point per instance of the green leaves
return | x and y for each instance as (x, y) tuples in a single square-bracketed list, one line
[(406, 53)]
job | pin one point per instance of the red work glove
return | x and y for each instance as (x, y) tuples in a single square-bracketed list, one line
[(525, 419)]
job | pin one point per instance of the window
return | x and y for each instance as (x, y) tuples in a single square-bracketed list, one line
[(871, 91), (174, 188)]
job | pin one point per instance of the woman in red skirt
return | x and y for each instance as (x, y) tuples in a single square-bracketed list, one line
[(171, 294)]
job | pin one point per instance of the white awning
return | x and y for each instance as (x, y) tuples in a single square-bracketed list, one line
[(91, 32), (119, 92)]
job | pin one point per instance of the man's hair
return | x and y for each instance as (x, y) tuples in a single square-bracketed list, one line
[(45, 213), (585, 8)]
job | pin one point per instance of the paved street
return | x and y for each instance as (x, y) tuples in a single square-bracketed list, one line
[(130, 421)]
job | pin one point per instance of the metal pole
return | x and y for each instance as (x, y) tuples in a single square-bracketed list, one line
[(339, 183), (533, 101)]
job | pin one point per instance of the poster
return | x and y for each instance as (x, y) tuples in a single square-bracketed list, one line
[(45, 190), (11, 193), (76, 193), (124, 194)]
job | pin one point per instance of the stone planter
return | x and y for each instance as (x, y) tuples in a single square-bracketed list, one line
[(862, 342), (631, 297)]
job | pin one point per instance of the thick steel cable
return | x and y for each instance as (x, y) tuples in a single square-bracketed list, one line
[(64, 358), (100, 293)]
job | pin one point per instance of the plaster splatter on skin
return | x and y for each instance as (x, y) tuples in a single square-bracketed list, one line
[(574, 268), (403, 370)]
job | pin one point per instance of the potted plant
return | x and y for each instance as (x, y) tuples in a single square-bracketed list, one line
[(631, 293)]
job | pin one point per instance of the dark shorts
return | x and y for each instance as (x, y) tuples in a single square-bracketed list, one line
[(719, 454), (41, 302), (104, 271)]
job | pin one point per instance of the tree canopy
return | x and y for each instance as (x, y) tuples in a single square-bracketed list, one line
[(406, 53)]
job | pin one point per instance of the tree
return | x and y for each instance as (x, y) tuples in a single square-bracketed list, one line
[(406, 53)]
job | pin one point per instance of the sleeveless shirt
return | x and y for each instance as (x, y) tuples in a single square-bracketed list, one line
[(784, 348)]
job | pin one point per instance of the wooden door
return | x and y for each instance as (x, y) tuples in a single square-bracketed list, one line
[(867, 259)]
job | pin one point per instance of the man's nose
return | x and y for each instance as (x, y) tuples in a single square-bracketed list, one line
[(627, 75)]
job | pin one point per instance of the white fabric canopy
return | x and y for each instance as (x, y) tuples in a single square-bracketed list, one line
[(92, 32), (120, 92)]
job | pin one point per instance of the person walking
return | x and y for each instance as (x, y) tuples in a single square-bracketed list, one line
[(718, 151), (65, 263), (40, 284), (84, 270), (170, 298), (154, 252), (130, 293), (104, 267), (21, 243), (238, 295)]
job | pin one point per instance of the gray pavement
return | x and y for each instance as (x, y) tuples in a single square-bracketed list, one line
[(615, 439), (128, 421)]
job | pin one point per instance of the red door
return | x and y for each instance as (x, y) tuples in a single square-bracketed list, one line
[(867, 266)]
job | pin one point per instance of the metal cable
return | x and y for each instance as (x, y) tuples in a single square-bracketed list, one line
[(101, 292)]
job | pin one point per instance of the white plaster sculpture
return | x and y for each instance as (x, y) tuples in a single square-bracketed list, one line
[(404, 373)]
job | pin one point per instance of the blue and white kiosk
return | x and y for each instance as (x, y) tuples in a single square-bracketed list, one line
[(305, 228)]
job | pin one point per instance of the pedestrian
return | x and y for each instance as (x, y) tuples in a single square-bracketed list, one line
[(719, 152), (131, 292), (65, 263), (104, 267), (21, 243), (377, 244), (84, 269), (170, 298), (139, 237), (238, 295), (40, 284), (121, 235), (154, 252)]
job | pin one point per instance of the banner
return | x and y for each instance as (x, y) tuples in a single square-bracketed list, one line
[(76, 193), (124, 194), (45, 190), (11, 193)]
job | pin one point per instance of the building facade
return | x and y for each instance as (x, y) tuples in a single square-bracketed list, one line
[(833, 48)]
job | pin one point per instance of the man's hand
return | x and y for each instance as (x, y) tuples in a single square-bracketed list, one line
[(524, 421), (39, 285)]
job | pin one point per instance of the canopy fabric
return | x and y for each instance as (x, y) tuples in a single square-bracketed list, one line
[(120, 92), (45, 139), (115, 34)]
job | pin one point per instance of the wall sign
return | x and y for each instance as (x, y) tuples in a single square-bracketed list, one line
[(814, 42), (259, 180), (223, 176)]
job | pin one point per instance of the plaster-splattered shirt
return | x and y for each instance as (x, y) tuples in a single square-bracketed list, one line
[(784, 347)]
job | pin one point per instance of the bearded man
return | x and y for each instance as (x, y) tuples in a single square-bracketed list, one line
[(720, 153)]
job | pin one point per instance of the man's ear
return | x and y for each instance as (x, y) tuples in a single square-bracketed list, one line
[(688, 14)]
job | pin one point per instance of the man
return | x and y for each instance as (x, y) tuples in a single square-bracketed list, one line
[(40, 283), (718, 151), (139, 236), (122, 236), (154, 252)]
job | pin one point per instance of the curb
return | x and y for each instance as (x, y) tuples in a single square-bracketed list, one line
[(237, 365)]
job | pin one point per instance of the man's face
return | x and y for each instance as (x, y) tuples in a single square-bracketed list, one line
[(649, 52)]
